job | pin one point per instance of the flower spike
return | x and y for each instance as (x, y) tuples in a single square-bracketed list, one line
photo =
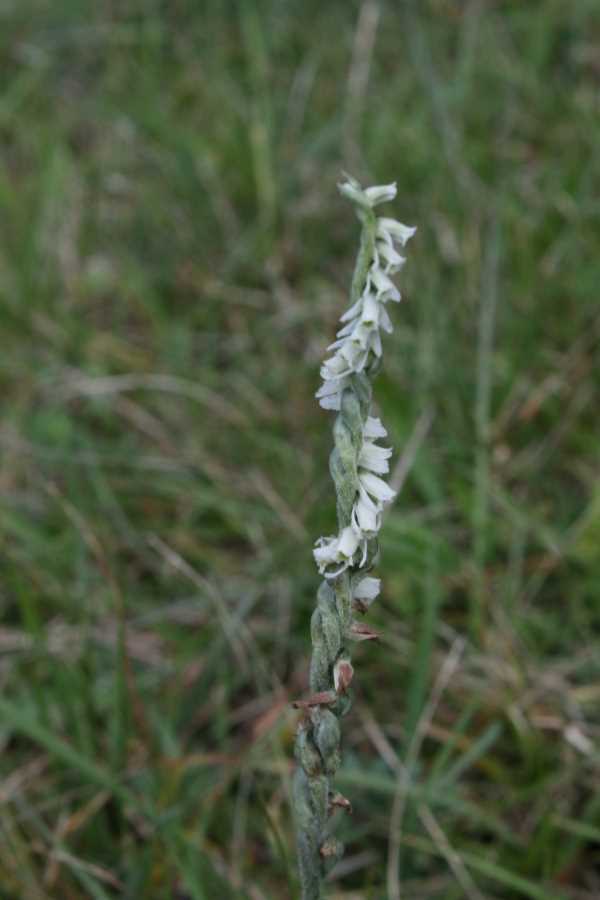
[(358, 466)]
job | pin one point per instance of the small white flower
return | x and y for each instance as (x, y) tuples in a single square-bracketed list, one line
[(353, 191), (393, 260), (366, 515), (374, 458), (330, 393), (377, 487), (353, 311), (381, 193), (384, 320), (370, 310), (373, 493), (348, 542), (376, 343), (333, 368), (391, 230), (331, 386), (367, 589), (353, 349), (385, 287), (367, 198), (332, 402), (374, 428), (338, 552)]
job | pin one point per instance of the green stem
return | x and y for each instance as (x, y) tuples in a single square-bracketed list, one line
[(318, 737), (365, 254)]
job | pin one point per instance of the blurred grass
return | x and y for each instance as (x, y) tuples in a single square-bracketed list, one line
[(173, 258)]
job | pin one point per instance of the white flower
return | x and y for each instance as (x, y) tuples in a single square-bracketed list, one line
[(367, 589), (393, 260), (339, 552), (334, 555), (390, 230), (373, 493), (334, 368), (384, 286), (357, 342), (353, 311), (366, 515), (360, 336), (369, 314), (373, 428), (376, 487), (381, 193), (330, 393), (374, 458), (371, 196), (351, 189)]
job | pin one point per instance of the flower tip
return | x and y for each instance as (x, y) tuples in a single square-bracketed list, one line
[(350, 179), (352, 190), (381, 193)]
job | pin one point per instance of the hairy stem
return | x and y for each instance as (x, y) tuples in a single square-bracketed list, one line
[(318, 739)]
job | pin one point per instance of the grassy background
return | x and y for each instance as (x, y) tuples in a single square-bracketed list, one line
[(173, 259)]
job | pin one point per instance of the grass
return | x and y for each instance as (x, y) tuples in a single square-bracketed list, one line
[(173, 258)]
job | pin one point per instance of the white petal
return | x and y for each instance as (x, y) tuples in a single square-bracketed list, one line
[(333, 401), (355, 356), (329, 552), (353, 311), (375, 343), (367, 501), (333, 368), (361, 336), (380, 193), (347, 329), (391, 229), (391, 256), (326, 550), (374, 458), (384, 284), (363, 361), (376, 487), (353, 191), (364, 518), (370, 311), (384, 320), (348, 542), (373, 428), (365, 548), (329, 394), (331, 386), (333, 573), (367, 588), (350, 351)]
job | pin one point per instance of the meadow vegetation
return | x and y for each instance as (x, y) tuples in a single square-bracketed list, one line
[(174, 257)]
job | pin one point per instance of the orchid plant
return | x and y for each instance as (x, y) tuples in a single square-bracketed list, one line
[(357, 463)]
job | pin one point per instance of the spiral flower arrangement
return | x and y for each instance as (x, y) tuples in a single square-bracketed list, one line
[(357, 463)]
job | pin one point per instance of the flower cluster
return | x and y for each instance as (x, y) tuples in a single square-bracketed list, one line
[(358, 343), (360, 337), (334, 554)]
